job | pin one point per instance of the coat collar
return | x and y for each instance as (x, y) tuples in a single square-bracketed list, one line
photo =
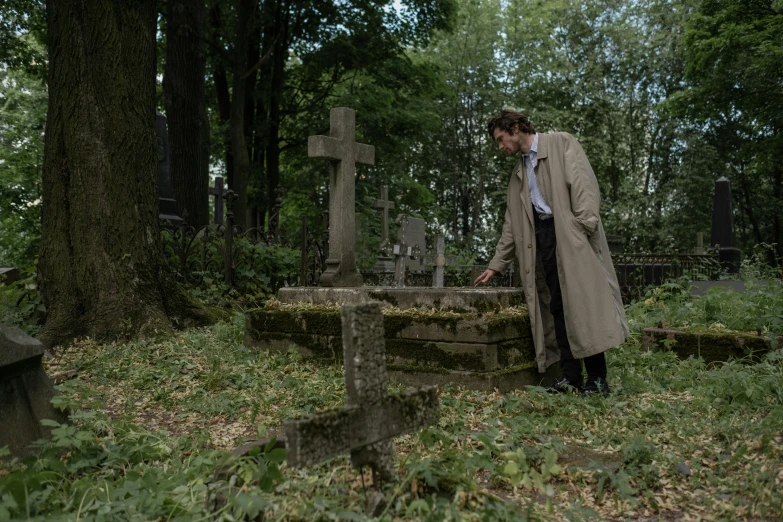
[(543, 146)]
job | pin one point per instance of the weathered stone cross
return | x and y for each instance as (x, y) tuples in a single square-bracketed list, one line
[(403, 250), (384, 263), (343, 153), (371, 417), (439, 262)]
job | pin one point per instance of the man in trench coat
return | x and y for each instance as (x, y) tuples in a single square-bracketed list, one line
[(553, 226)]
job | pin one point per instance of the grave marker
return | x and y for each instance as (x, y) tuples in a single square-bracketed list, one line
[(342, 152), (25, 391), (403, 249), (218, 192), (385, 262), (371, 417), (722, 234)]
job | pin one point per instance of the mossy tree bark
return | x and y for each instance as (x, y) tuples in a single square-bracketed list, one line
[(101, 269), (186, 112)]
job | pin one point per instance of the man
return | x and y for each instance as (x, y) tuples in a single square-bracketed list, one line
[(553, 227)]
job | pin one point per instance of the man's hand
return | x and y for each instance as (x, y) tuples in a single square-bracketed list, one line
[(484, 277)]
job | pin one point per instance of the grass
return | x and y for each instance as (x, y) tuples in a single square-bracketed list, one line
[(677, 440)]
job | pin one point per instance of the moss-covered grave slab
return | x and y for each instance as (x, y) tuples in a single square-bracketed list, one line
[(447, 299), (712, 346), (470, 348)]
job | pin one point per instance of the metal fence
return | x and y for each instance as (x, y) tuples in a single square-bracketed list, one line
[(218, 251)]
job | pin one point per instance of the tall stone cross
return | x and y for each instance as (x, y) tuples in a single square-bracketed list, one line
[(385, 262), (371, 418), (343, 153)]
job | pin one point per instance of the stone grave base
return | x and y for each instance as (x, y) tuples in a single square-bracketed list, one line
[(478, 339), (710, 346), (446, 299)]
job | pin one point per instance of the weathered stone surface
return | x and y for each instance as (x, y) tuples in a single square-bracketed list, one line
[(455, 299), (371, 418), (25, 391), (710, 346), (513, 378), (343, 153), (425, 340)]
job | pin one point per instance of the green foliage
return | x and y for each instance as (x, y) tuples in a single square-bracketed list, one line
[(524, 455), (760, 308), (21, 304)]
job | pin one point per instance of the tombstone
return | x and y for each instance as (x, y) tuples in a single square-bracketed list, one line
[(217, 191), (699, 243), (439, 261), (404, 252), (342, 152), (167, 205), (371, 418), (25, 391), (385, 262), (722, 236), (9, 275), (415, 236)]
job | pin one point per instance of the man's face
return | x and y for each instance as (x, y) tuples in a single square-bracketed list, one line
[(510, 143)]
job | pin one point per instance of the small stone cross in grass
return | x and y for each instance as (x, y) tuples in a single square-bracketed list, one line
[(371, 418)]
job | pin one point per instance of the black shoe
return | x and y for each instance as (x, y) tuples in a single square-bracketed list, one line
[(596, 386), (563, 385)]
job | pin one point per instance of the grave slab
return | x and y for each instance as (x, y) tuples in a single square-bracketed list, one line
[(25, 391), (710, 346), (477, 350)]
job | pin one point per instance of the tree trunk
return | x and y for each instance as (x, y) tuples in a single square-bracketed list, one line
[(279, 57), (222, 94), (238, 83), (186, 110), (101, 270)]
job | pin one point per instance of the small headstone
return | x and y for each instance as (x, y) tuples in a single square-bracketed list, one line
[(25, 391), (385, 262), (404, 252), (722, 235), (167, 205), (699, 243), (415, 236), (371, 418), (343, 153), (9, 275)]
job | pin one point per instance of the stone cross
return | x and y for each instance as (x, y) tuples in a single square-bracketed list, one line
[(371, 418), (218, 192), (403, 250), (440, 261), (343, 153), (385, 262), (25, 391)]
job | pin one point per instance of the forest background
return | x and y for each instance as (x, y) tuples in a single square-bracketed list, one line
[(665, 97)]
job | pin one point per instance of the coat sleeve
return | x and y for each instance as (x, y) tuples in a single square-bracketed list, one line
[(504, 252), (583, 186)]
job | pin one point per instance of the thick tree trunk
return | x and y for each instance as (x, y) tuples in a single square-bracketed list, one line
[(186, 110), (280, 55), (101, 269), (238, 84), (222, 94)]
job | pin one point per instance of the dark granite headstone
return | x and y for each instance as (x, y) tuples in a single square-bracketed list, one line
[(8, 275), (25, 391), (723, 227), (167, 205)]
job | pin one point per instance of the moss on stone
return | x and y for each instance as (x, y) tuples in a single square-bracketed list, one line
[(516, 351), (427, 354), (412, 368), (385, 297)]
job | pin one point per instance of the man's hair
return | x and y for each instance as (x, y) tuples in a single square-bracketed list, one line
[(508, 121)]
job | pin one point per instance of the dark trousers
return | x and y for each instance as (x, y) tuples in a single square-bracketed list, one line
[(571, 368)]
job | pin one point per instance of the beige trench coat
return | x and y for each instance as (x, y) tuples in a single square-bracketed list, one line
[(594, 312)]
